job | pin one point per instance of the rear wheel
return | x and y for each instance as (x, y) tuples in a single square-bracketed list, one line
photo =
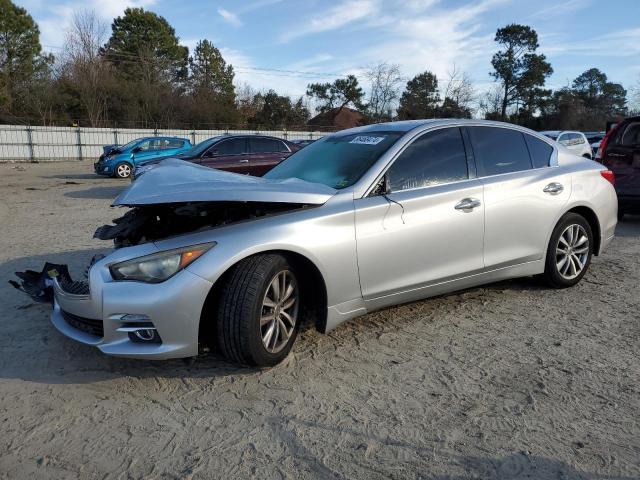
[(257, 320), (569, 252), (123, 170)]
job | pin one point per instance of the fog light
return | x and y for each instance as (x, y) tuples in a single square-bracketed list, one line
[(145, 335)]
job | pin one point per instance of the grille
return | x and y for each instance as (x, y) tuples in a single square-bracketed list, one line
[(75, 288), (86, 325)]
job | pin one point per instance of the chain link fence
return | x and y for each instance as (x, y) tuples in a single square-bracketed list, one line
[(20, 143)]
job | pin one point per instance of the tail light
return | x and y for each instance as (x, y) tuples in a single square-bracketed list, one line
[(608, 176), (603, 145)]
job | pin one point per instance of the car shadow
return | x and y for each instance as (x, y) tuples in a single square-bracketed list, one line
[(517, 465), (76, 176), (629, 226), (102, 193)]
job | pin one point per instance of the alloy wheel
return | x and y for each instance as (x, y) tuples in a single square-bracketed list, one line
[(123, 170), (572, 251), (279, 311)]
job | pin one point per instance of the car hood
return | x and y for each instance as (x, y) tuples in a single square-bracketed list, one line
[(177, 181)]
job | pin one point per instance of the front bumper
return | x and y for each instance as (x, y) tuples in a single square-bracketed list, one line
[(174, 307), (102, 168)]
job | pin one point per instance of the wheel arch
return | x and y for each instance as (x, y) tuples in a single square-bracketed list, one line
[(314, 293), (592, 219)]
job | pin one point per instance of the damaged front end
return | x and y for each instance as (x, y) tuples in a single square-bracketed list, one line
[(179, 198), (155, 222)]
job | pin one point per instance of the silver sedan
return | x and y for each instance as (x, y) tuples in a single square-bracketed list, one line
[(360, 220)]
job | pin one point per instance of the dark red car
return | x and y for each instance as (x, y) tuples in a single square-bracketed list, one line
[(620, 153), (246, 154)]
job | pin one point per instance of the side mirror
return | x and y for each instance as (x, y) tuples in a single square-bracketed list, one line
[(136, 149), (211, 153)]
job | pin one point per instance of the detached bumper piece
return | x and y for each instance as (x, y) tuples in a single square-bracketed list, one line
[(39, 285)]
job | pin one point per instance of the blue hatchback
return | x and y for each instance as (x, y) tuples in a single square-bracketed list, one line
[(119, 161)]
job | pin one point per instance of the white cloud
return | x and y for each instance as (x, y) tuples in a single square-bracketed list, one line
[(560, 9), (230, 17), (54, 20), (338, 16)]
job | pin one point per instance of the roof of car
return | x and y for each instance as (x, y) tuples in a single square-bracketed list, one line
[(408, 125)]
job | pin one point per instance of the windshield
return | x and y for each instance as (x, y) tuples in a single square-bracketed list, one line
[(199, 148), (127, 146), (337, 161)]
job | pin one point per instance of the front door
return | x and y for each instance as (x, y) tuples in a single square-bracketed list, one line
[(230, 155), (428, 228)]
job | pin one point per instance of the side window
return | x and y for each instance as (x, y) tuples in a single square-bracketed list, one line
[(144, 146), (264, 145), (499, 150), (233, 146), (175, 143), (580, 139), (434, 158), (539, 150)]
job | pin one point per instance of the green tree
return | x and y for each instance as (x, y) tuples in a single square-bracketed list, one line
[(420, 98), (341, 93), (23, 66), (599, 96), (517, 67), (150, 65), (211, 87), (278, 111)]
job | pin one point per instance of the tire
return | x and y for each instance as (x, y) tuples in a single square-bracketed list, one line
[(122, 170), (567, 273), (245, 312), (588, 156)]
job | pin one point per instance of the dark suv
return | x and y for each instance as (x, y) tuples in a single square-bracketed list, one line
[(247, 154), (620, 152)]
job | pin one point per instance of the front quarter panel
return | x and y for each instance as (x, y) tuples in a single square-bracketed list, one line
[(325, 235)]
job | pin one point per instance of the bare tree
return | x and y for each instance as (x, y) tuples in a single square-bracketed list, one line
[(460, 94), (386, 82), (490, 103), (84, 68)]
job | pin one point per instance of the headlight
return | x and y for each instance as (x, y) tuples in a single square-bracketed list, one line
[(158, 267)]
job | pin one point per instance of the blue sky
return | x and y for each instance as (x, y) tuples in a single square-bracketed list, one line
[(323, 39)]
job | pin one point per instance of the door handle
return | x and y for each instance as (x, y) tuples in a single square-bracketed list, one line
[(467, 204), (243, 161), (554, 188)]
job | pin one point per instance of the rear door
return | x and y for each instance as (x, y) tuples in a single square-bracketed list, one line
[(266, 153), (172, 146), (229, 155), (623, 158), (523, 195), (419, 234)]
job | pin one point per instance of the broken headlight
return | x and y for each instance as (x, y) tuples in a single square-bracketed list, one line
[(158, 267)]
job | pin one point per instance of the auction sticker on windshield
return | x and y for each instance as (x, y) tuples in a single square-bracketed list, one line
[(366, 140)]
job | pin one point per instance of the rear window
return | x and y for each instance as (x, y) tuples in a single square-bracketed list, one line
[(499, 150), (175, 143), (266, 145), (539, 150), (630, 134)]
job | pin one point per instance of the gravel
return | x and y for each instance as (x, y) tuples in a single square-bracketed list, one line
[(512, 380)]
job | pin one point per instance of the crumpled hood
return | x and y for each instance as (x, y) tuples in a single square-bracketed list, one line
[(176, 181)]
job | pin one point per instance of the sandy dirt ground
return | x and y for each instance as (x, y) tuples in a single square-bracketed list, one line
[(510, 381)]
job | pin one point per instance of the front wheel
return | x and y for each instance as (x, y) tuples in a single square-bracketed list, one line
[(123, 170), (569, 252), (257, 317)]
